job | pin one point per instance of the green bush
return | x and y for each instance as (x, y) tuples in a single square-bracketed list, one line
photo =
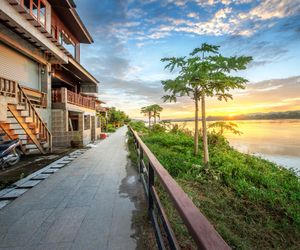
[(111, 128), (138, 126), (272, 191)]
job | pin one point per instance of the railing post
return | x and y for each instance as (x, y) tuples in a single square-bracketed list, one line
[(150, 184), (141, 157)]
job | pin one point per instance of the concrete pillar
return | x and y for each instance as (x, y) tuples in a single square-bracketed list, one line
[(77, 52), (64, 95)]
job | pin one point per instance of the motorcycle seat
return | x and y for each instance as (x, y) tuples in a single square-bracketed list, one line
[(6, 144)]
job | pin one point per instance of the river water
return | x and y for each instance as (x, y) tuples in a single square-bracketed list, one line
[(274, 140)]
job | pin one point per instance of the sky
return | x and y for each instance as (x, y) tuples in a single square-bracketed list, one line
[(131, 36)]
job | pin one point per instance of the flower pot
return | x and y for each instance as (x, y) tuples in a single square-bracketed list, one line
[(102, 136)]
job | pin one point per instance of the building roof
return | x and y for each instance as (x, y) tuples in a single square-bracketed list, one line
[(66, 10)]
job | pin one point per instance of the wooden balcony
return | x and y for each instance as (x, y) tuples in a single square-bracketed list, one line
[(63, 95), (9, 88)]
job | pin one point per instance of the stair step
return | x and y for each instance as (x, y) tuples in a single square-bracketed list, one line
[(11, 120), (15, 126), (24, 113), (20, 107), (30, 146), (23, 137), (28, 119)]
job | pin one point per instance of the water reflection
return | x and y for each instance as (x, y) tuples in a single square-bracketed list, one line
[(275, 140)]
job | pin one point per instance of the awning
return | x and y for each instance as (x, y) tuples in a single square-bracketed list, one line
[(67, 13), (78, 70)]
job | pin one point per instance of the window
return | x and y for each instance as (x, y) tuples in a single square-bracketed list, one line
[(67, 43), (42, 13), (87, 122), (54, 31), (37, 8), (26, 4), (73, 121)]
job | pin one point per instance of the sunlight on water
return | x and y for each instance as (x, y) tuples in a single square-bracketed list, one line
[(275, 140)]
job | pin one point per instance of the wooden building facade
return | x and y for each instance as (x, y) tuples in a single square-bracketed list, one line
[(46, 96)]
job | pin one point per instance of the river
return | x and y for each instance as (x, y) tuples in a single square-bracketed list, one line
[(274, 140)]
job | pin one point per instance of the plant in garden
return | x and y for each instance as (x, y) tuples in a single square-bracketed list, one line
[(156, 109), (225, 126), (147, 111), (117, 117), (204, 73)]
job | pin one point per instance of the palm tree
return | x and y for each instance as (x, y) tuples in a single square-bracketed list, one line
[(226, 126), (156, 109), (147, 111), (201, 76)]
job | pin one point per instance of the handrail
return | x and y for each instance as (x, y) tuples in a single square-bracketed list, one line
[(78, 99), (201, 230), (39, 98), (43, 129)]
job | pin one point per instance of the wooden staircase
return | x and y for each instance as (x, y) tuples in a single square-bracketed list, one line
[(24, 123)]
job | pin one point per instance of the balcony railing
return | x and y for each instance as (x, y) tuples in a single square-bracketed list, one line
[(9, 88), (66, 96)]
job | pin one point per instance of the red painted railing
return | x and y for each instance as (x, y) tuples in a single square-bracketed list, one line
[(73, 98)]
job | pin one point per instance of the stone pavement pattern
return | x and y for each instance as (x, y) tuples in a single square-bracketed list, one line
[(89, 204)]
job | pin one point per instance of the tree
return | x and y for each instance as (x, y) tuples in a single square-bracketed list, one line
[(117, 117), (226, 126), (147, 111), (156, 109), (204, 73)]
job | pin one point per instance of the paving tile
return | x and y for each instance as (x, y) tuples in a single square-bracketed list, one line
[(30, 183), (50, 171), (82, 197), (83, 206), (4, 203), (58, 165), (54, 246), (66, 225), (22, 230), (14, 193), (40, 177)]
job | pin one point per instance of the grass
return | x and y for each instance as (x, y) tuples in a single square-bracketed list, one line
[(253, 203)]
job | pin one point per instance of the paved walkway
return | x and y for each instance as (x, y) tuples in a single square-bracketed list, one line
[(89, 204)]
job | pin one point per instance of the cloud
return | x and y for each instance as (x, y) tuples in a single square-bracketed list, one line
[(124, 28)]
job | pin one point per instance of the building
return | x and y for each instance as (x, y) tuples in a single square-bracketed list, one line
[(47, 97)]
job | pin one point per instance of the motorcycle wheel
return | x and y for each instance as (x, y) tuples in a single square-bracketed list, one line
[(15, 159)]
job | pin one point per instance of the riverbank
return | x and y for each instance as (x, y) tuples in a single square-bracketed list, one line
[(274, 140), (253, 203)]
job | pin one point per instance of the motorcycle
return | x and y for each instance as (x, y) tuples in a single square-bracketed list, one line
[(9, 152)]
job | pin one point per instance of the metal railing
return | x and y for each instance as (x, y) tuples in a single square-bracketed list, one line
[(200, 229)]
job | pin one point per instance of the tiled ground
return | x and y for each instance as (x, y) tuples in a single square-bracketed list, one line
[(89, 204)]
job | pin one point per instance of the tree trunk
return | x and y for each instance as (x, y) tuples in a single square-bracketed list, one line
[(196, 135), (204, 130), (154, 118), (149, 120)]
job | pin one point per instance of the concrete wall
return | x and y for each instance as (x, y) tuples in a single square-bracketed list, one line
[(62, 137)]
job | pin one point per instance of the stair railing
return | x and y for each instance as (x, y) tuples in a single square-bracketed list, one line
[(44, 132)]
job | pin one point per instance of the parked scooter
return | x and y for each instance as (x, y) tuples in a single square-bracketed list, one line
[(9, 152)]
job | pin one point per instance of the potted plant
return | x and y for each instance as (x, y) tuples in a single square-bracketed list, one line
[(76, 142)]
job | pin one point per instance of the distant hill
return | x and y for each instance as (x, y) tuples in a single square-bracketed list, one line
[(254, 116)]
